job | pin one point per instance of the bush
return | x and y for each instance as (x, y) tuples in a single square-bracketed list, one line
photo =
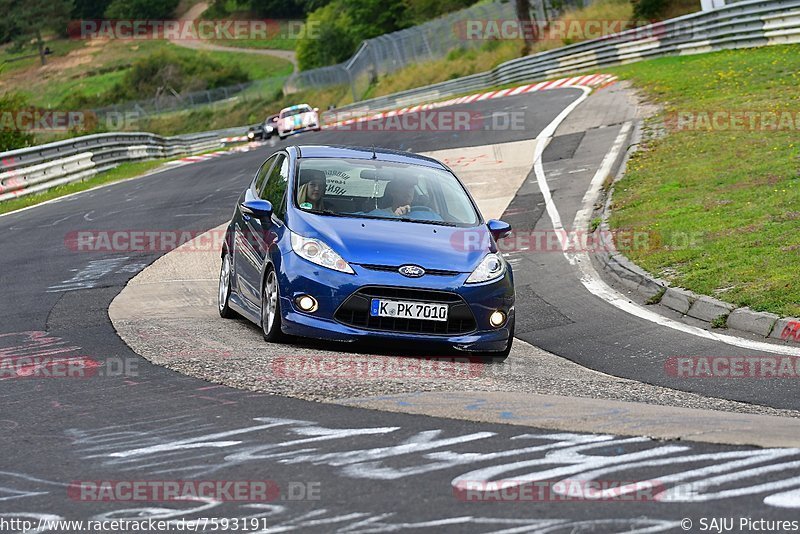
[(10, 137), (649, 9), (166, 70), (339, 27), (419, 11), (162, 73), (333, 38)]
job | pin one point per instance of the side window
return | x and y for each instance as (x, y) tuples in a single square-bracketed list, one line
[(263, 171), (275, 187)]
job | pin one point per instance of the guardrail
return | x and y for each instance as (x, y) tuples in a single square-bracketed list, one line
[(741, 25), (35, 169)]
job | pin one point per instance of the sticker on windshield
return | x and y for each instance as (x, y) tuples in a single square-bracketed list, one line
[(306, 205)]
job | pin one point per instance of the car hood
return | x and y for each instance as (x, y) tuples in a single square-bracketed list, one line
[(300, 119), (396, 243)]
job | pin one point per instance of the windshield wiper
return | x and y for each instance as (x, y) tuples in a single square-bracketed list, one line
[(422, 221)]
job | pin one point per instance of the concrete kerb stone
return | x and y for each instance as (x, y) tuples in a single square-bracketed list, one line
[(678, 299), (760, 323), (701, 307), (709, 309), (787, 329)]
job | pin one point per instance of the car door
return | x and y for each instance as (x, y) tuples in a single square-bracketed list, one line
[(269, 232), (246, 262)]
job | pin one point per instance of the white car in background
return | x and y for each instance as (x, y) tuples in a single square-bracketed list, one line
[(296, 119)]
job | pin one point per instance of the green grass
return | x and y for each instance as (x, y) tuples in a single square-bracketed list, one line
[(736, 192), (106, 64), (121, 172), (253, 106), (273, 43)]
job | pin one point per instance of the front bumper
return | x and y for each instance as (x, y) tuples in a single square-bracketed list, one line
[(332, 288)]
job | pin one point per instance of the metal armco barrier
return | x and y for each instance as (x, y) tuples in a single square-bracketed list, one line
[(740, 25), (36, 169)]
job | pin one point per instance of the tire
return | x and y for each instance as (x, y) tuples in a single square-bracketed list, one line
[(224, 293), (271, 308)]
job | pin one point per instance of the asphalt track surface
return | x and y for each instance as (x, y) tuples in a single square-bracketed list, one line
[(376, 471)]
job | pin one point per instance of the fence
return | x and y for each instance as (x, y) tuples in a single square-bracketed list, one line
[(739, 25), (742, 25), (375, 57), (431, 40), (170, 102)]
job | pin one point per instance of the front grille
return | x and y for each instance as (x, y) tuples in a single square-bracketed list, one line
[(393, 269), (355, 312)]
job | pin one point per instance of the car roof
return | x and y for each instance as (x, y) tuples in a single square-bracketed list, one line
[(295, 107), (355, 152)]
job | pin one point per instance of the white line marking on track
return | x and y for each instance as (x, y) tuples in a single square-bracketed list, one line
[(542, 140), (589, 277)]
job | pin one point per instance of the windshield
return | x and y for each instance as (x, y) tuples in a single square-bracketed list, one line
[(295, 111), (382, 190)]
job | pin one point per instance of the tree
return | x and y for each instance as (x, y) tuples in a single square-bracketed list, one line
[(12, 137), (338, 27), (89, 9), (332, 40), (419, 11), (32, 18), (141, 9)]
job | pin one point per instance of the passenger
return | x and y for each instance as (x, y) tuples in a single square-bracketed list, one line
[(311, 194)]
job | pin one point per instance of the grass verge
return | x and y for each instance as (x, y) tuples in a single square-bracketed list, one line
[(723, 201), (90, 68)]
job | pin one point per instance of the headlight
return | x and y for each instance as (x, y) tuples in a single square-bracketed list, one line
[(318, 252), (491, 268), (250, 135)]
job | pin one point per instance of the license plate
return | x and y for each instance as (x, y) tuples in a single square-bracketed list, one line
[(408, 310)]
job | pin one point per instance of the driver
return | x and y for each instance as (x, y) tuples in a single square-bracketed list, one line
[(400, 194), (311, 194)]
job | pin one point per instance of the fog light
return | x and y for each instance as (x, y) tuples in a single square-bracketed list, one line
[(307, 303), (497, 319)]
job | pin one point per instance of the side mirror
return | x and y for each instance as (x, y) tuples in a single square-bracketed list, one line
[(316, 110), (260, 209), (498, 229)]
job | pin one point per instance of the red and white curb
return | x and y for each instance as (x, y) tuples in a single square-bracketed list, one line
[(215, 154), (589, 80)]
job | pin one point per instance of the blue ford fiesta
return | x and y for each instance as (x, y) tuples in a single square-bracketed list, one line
[(344, 243)]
